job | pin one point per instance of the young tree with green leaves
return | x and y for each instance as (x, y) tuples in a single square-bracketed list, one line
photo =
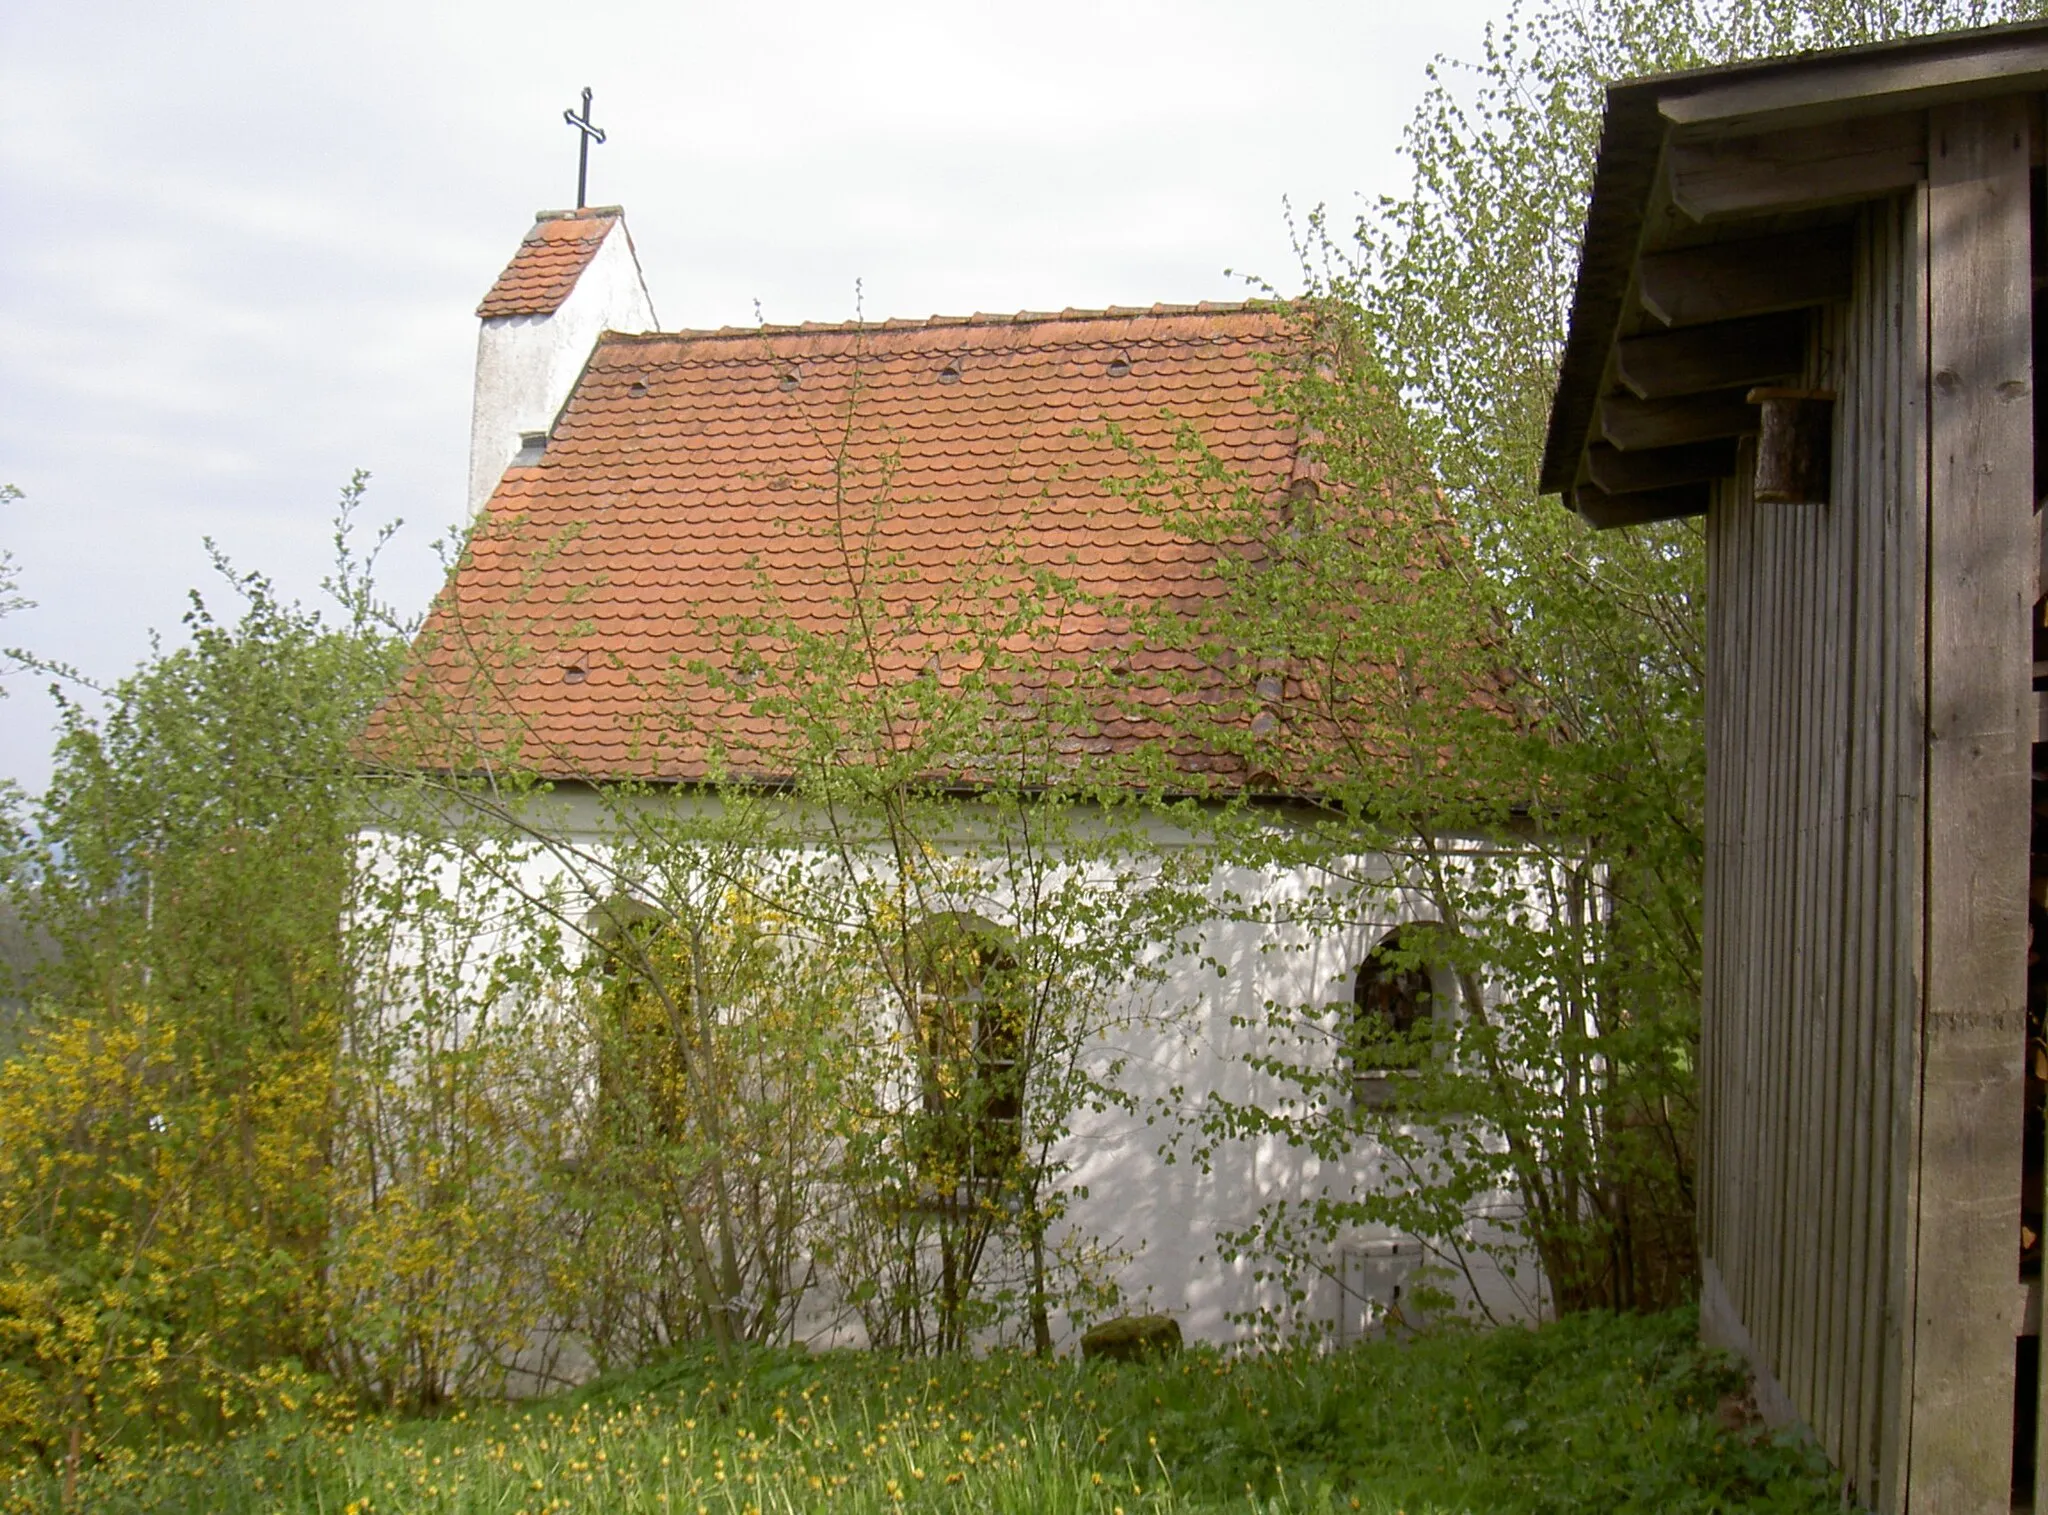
[(165, 1129), (892, 874), (1459, 677)]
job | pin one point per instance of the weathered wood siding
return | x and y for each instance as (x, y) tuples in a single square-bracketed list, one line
[(1816, 781), (1864, 1021)]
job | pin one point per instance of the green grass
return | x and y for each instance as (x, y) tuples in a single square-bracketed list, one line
[(1595, 1413)]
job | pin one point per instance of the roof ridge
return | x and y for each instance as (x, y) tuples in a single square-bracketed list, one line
[(937, 322)]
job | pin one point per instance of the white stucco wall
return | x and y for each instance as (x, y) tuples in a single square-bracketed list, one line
[(1183, 1039), (526, 365), (1168, 1216)]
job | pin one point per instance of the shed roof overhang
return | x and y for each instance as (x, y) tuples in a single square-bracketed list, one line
[(1721, 216)]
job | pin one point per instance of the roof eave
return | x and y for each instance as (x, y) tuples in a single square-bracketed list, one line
[(1632, 136), (1643, 115)]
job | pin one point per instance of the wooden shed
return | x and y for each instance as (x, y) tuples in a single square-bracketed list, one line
[(1806, 311)]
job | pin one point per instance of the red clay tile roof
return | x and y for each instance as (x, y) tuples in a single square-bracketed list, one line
[(550, 259), (688, 467)]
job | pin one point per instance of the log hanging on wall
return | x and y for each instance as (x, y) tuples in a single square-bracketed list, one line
[(1795, 448)]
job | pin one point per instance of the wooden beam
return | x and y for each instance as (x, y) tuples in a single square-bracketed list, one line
[(1753, 277), (1980, 727), (1619, 472), (1720, 356), (1901, 75), (1834, 164), (1602, 510), (1630, 423)]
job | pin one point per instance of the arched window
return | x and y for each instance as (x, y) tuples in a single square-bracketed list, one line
[(1393, 1014), (642, 1024), (971, 1029)]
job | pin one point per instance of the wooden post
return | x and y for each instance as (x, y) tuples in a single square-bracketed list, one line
[(1980, 373), (2040, 735), (1903, 852)]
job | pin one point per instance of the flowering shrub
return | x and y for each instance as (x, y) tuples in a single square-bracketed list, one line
[(153, 1224)]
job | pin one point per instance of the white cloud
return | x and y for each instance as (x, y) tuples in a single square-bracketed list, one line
[(247, 239)]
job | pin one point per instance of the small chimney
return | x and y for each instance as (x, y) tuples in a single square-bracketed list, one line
[(574, 276)]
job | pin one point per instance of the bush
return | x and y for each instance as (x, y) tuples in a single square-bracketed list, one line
[(148, 1213), (167, 1119)]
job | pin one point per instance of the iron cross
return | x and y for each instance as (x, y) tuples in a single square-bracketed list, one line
[(588, 135)]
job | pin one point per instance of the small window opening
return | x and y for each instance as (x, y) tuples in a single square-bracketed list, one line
[(637, 388), (950, 374), (643, 1050), (791, 377), (1120, 365), (1393, 1014), (973, 1035), (575, 673)]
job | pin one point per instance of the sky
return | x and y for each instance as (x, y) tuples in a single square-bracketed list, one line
[(246, 241)]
